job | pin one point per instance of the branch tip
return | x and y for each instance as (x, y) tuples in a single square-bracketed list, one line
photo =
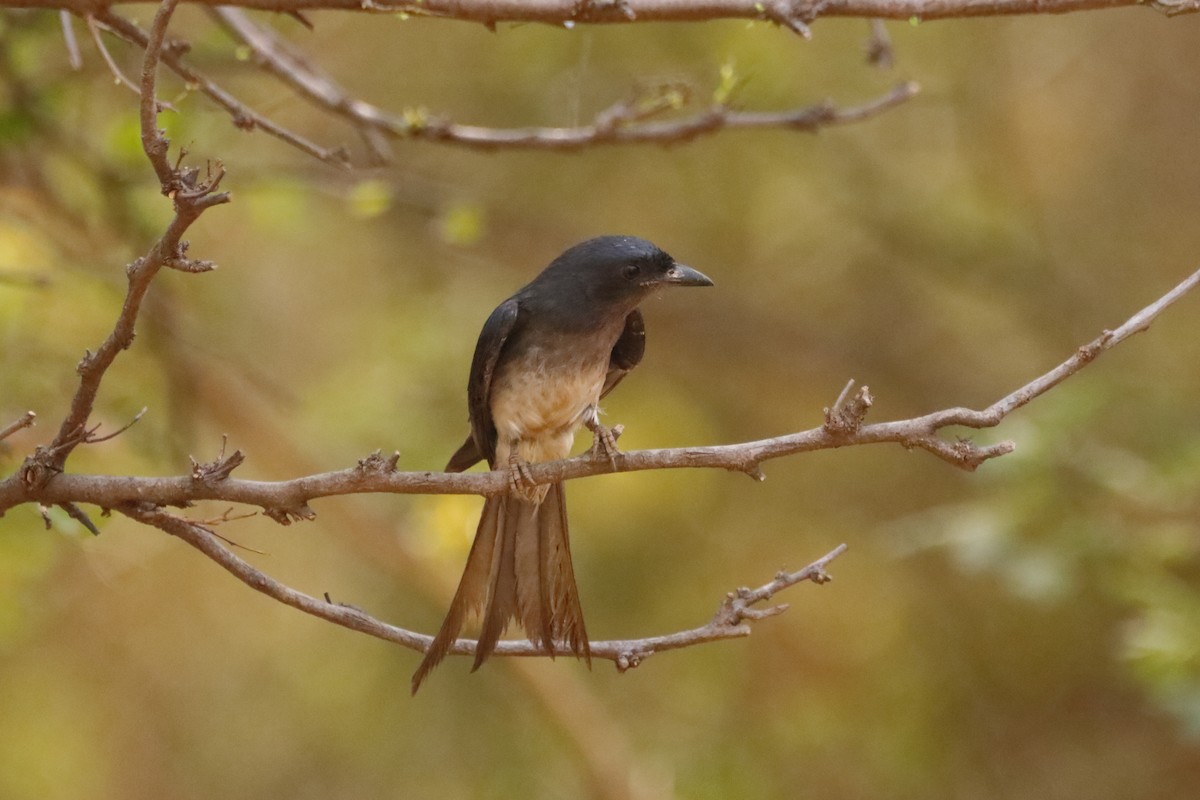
[(26, 420)]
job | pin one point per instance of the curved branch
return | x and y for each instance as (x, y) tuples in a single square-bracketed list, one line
[(732, 620), (242, 115), (623, 123)]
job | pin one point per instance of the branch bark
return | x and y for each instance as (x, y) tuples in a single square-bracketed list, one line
[(623, 123), (733, 618), (286, 501), (793, 14)]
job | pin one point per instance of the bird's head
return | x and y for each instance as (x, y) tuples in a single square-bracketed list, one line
[(620, 271)]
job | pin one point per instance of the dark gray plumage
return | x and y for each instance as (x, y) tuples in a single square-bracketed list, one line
[(544, 359)]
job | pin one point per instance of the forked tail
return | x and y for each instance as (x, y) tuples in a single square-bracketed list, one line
[(519, 567)]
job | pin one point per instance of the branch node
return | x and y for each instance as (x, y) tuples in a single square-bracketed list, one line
[(819, 576), (377, 463), (846, 416), (629, 659), (286, 516), (1089, 351), (754, 470), (38, 469), (218, 470), (783, 13)]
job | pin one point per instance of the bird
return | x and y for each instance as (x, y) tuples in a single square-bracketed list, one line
[(545, 358)]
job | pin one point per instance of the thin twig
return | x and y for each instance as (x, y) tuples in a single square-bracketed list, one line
[(731, 621), (97, 439), (26, 420), (74, 58), (879, 46), (118, 75), (242, 115), (153, 142), (605, 130)]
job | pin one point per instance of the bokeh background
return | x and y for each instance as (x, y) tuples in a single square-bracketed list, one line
[(1031, 630)]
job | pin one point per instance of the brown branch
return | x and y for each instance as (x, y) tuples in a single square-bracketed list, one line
[(794, 14), (242, 115), (286, 501), (118, 75), (74, 58), (190, 195), (24, 421), (732, 619), (624, 123)]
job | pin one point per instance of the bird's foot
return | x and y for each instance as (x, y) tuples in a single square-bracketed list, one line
[(521, 483), (604, 442)]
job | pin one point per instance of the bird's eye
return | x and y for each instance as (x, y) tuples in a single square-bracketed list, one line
[(630, 271)]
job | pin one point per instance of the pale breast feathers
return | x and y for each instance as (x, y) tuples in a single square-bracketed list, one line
[(540, 402)]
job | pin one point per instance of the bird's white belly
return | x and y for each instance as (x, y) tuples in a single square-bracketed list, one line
[(539, 409)]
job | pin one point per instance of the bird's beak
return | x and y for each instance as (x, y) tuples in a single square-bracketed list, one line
[(682, 275)]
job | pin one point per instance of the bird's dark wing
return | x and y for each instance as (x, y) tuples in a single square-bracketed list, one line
[(481, 444), (627, 352)]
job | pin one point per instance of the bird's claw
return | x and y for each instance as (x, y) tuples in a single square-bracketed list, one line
[(604, 442), (521, 483)]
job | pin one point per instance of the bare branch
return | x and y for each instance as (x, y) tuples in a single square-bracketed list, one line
[(243, 116), (118, 75), (614, 128), (796, 15), (25, 421), (731, 620), (286, 501), (153, 142), (625, 123), (190, 195), (72, 44), (879, 46)]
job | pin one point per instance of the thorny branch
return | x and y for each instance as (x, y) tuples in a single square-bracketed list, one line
[(731, 621)]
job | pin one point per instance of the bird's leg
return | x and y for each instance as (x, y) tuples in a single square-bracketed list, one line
[(520, 480), (604, 441)]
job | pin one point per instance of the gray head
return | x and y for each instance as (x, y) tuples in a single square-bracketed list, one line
[(615, 272)]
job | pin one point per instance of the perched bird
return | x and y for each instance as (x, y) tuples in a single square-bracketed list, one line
[(545, 358)]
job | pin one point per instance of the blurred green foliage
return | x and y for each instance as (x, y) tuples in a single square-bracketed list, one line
[(1032, 630)]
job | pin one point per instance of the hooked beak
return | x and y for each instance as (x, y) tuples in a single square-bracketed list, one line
[(683, 275)]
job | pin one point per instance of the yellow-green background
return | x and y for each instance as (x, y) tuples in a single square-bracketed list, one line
[(1031, 630)]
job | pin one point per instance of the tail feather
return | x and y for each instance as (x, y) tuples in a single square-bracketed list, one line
[(519, 567), (502, 594), (472, 589), (532, 601), (559, 594)]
